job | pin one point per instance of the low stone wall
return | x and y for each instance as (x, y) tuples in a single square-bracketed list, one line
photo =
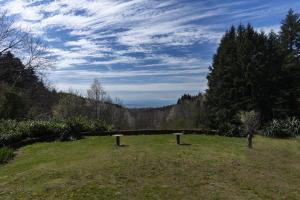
[(123, 132), (155, 132)]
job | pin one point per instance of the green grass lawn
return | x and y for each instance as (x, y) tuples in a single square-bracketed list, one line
[(154, 167)]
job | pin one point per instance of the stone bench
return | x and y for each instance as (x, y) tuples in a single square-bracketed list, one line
[(117, 136), (178, 137)]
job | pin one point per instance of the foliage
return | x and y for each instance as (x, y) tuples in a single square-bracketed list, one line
[(249, 120), (12, 131), (230, 130), (22, 92), (69, 105), (289, 127), (12, 106), (6, 154), (255, 71)]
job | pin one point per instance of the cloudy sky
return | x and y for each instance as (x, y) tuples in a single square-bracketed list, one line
[(146, 52)]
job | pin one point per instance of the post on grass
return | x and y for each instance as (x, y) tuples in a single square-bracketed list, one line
[(118, 139), (178, 137)]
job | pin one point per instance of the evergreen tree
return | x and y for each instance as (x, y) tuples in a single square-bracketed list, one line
[(25, 95), (245, 75), (219, 79), (290, 37), (290, 50)]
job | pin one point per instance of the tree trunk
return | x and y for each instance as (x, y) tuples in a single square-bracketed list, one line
[(250, 136)]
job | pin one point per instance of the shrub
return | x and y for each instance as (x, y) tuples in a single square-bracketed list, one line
[(99, 126), (230, 130), (6, 154), (71, 132), (81, 124), (39, 129), (12, 132), (289, 127)]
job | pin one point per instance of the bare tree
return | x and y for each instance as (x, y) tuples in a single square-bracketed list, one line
[(96, 95), (10, 36), (34, 51), (31, 50), (118, 101), (250, 121)]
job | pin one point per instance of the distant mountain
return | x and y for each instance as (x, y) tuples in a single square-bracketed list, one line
[(148, 103)]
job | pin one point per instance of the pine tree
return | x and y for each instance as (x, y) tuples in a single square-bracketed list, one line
[(290, 49), (244, 76), (290, 37), (219, 80)]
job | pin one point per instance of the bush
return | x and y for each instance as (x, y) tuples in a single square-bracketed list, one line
[(230, 130), (6, 154), (12, 132), (289, 127)]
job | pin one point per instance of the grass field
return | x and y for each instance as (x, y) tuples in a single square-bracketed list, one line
[(154, 167)]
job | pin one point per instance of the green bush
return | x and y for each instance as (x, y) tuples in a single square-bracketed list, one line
[(289, 127), (230, 130), (80, 124), (12, 131), (87, 125), (99, 126), (6, 154)]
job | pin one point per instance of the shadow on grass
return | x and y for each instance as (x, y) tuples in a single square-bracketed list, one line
[(123, 145), (185, 144)]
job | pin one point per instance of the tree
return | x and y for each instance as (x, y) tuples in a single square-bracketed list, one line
[(245, 75), (31, 50), (26, 85), (250, 122), (15, 73), (290, 36), (96, 95), (21, 57), (290, 50), (69, 105), (12, 105), (219, 79)]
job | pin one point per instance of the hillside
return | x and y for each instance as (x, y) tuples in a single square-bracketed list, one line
[(187, 113)]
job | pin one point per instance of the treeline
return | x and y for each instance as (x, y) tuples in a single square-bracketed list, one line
[(22, 93), (96, 105), (189, 112), (255, 71), (24, 96)]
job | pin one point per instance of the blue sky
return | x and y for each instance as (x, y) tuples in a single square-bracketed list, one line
[(146, 52)]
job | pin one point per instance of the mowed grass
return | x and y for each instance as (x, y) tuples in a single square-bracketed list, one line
[(154, 167)]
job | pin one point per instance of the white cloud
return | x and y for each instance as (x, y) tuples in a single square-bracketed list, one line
[(157, 87), (268, 29), (89, 74)]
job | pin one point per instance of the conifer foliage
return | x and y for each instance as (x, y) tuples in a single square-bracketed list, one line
[(255, 71)]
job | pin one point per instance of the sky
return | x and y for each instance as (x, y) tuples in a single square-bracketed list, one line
[(145, 52)]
